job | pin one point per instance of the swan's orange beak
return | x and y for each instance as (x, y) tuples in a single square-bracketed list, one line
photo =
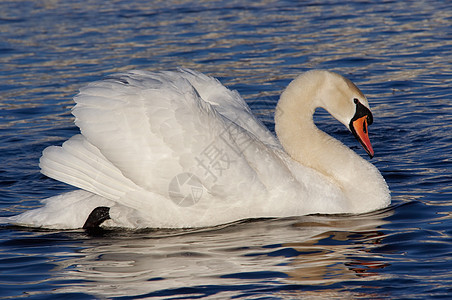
[(359, 129), (358, 126)]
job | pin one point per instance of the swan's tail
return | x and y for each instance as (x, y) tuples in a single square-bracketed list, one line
[(65, 211)]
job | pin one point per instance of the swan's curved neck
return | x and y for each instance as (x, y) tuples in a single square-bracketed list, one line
[(295, 128), (311, 147)]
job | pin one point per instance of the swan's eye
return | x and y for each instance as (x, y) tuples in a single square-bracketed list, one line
[(362, 111)]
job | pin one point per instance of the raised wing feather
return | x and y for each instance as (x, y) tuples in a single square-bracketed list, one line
[(154, 126), (229, 104)]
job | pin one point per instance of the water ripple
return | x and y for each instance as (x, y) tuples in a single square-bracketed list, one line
[(398, 53)]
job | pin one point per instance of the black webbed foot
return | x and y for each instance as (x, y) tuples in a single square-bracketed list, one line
[(97, 217)]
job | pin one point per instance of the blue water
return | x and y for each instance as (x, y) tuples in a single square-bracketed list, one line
[(398, 52)]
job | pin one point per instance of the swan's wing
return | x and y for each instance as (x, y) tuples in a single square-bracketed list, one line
[(79, 163), (229, 104), (155, 126)]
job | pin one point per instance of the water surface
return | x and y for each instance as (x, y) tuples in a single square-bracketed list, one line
[(397, 52)]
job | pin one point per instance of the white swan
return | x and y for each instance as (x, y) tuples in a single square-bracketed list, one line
[(178, 149)]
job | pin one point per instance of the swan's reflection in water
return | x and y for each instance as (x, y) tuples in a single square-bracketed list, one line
[(249, 256)]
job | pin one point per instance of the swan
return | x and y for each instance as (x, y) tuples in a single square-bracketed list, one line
[(175, 149)]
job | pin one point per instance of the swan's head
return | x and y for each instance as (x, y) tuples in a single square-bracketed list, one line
[(339, 96), (345, 102)]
